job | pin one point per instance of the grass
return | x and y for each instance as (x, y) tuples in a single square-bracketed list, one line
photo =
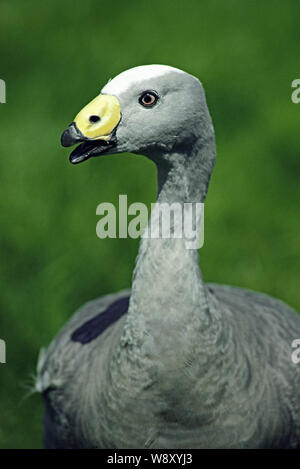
[(54, 58)]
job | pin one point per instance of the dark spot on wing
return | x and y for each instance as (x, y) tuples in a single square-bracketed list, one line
[(210, 289), (91, 329)]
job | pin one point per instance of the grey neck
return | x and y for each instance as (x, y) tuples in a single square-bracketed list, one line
[(168, 293)]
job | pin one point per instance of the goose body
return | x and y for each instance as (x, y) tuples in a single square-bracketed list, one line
[(174, 362)]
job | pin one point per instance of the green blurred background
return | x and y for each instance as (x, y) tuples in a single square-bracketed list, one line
[(55, 57)]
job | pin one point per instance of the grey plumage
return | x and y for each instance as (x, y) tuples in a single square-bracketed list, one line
[(190, 365)]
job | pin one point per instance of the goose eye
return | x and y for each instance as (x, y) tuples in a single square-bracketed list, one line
[(148, 99)]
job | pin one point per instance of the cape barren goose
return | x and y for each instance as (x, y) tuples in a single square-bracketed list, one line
[(175, 362)]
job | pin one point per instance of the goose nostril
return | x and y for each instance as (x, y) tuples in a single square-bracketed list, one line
[(94, 119)]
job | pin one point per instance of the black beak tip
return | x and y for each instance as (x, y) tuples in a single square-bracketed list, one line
[(71, 136), (64, 139)]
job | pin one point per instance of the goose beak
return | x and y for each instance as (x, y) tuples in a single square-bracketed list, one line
[(95, 126)]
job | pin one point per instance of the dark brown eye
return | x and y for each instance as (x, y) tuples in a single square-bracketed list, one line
[(148, 98)]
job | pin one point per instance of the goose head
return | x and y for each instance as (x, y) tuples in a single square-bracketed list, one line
[(154, 110)]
